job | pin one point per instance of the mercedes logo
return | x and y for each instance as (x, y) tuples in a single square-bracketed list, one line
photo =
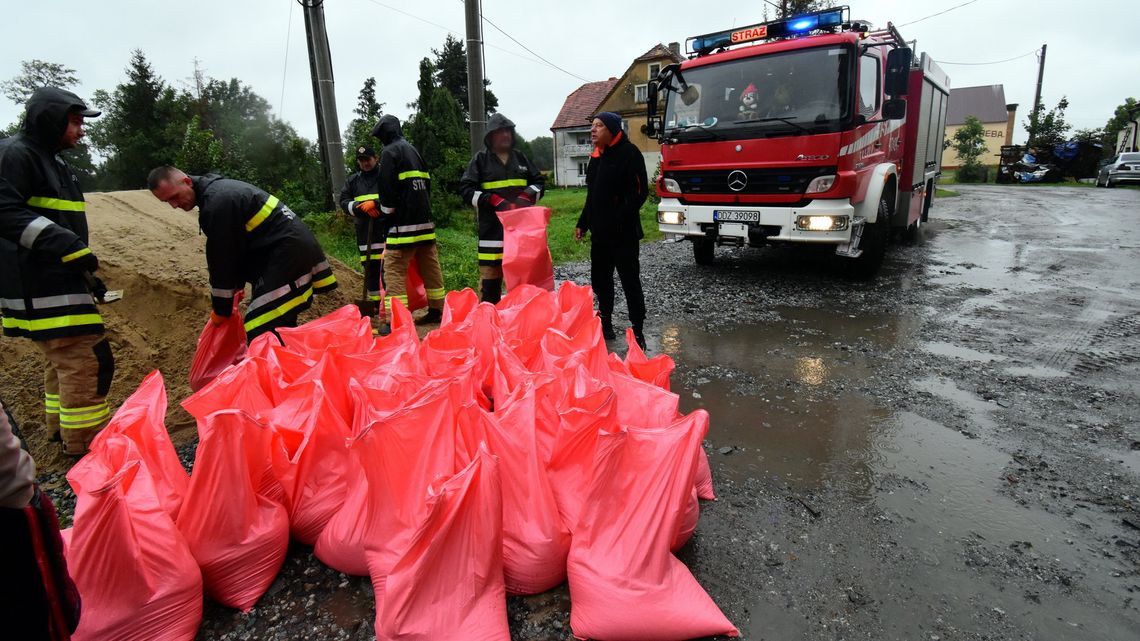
[(737, 180)]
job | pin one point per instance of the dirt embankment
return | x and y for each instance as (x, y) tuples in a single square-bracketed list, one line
[(156, 255)]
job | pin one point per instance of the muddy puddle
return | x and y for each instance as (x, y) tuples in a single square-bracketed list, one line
[(793, 403)]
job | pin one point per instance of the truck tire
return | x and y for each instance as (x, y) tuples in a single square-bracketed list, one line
[(874, 242), (703, 251)]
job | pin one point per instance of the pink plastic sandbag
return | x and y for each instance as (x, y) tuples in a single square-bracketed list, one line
[(234, 518), (625, 585), (142, 418), (344, 328), (587, 408), (250, 385), (130, 563), (656, 370), (457, 306), (392, 461), (449, 582), (218, 348), (535, 541), (417, 294), (526, 256), (319, 462), (576, 308)]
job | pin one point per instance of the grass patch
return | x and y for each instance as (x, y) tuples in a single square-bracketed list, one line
[(945, 193), (458, 243)]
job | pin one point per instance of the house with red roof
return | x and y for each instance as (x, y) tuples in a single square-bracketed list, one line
[(626, 96)]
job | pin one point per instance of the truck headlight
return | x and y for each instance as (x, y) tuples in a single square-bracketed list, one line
[(671, 217), (820, 184), (821, 223)]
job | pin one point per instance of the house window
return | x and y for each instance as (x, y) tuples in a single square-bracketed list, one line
[(583, 139), (582, 168), (640, 93), (654, 69)]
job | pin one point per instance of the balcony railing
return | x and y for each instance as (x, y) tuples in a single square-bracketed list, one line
[(577, 150)]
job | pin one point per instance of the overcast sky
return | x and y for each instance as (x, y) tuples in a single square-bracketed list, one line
[(1092, 57)]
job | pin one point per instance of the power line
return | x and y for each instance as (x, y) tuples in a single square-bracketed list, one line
[(528, 49), (285, 67), (958, 6), (995, 62)]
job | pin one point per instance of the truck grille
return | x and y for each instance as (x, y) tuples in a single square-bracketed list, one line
[(789, 180)]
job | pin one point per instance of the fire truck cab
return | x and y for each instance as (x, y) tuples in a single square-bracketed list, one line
[(814, 129)]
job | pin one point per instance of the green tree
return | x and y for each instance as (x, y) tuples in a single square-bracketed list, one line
[(35, 74), (969, 144), (799, 7), (141, 127), (543, 149), (451, 74), (1047, 128), (359, 130), (1120, 119)]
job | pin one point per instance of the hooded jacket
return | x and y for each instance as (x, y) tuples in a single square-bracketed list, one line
[(43, 228), (362, 186), (488, 176), (252, 237), (616, 187), (405, 188)]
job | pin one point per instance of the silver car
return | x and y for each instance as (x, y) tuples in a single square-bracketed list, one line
[(1125, 168)]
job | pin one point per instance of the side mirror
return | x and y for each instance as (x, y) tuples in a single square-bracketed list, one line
[(894, 109), (690, 95), (898, 72)]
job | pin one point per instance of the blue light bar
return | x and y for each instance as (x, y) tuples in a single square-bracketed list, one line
[(798, 25)]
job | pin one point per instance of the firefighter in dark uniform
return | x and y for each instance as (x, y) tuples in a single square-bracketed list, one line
[(405, 203), (251, 237), (47, 291), (360, 198), (499, 177)]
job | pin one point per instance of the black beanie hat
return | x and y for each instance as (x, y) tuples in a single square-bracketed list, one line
[(611, 120)]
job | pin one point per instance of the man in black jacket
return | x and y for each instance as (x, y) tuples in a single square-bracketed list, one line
[(47, 292), (499, 177), (360, 198), (616, 187), (251, 237), (405, 202)]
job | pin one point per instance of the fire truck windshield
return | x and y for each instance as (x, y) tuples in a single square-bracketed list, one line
[(798, 92)]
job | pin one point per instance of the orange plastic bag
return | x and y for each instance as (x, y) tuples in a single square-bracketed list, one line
[(234, 518), (535, 541), (625, 585), (449, 582), (394, 458), (218, 348), (526, 255), (130, 563), (142, 418)]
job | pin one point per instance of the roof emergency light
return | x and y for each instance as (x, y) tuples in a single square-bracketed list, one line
[(789, 27)]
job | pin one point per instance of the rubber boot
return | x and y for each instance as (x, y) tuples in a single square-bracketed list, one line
[(492, 290), (433, 315), (607, 328)]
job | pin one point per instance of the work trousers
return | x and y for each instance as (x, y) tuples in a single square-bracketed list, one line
[(76, 382), (622, 255), (396, 261)]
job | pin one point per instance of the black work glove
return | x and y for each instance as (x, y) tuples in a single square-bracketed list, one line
[(496, 202), (98, 289)]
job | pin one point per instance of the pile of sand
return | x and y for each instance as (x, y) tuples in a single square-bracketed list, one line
[(157, 256)]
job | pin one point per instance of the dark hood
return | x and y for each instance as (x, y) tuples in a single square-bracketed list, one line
[(499, 121), (387, 130), (45, 115), (201, 182)]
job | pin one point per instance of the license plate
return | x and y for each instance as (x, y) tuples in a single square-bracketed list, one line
[(736, 216), (738, 230)]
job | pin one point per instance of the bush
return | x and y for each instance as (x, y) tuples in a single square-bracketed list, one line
[(973, 174)]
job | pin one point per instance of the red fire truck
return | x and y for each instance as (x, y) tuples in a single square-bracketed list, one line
[(813, 129)]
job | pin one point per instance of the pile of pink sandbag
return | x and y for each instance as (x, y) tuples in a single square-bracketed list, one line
[(504, 453)]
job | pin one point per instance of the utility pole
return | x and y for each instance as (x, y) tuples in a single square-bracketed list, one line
[(478, 113), (324, 98), (1037, 97)]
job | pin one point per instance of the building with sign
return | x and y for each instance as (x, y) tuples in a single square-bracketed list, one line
[(987, 104), (625, 96)]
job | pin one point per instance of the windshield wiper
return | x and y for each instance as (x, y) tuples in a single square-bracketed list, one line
[(691, 130), (782, 119)]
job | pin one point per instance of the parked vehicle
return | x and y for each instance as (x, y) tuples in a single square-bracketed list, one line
[(1124, 168), (813, 130)]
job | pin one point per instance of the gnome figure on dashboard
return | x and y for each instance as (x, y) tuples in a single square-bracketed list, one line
[(749, 103)]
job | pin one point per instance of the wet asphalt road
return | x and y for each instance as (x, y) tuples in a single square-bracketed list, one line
[(949, 451)]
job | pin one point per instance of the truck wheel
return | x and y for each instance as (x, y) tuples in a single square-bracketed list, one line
[(703, 251), (874, 242)]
